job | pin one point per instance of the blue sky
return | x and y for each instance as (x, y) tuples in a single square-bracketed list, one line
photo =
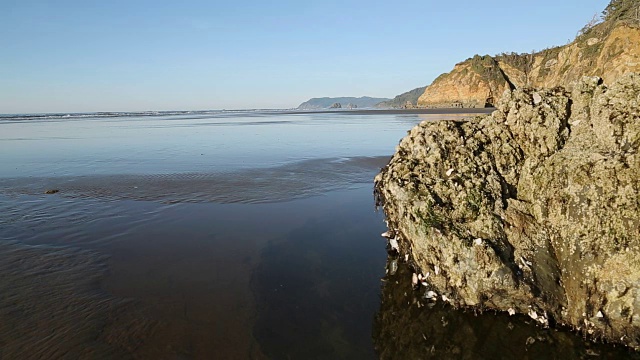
[(66, 56)]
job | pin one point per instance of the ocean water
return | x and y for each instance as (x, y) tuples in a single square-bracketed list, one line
[(215, 235)]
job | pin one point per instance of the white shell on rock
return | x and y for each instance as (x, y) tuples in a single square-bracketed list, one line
[(394, 244), (533, 315), (511, 312), (477, 241), (536, 98), (431, 295), (599, 314), (393, 267), (436, 269), (386, 234), (414, 279), (450, 171)]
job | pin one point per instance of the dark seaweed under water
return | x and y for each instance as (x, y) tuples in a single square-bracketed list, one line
[(220, 235)]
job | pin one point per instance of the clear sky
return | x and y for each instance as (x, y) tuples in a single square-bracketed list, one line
[(90, 55)]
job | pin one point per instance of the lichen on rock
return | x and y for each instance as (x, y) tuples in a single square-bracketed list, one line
[(534, 208)]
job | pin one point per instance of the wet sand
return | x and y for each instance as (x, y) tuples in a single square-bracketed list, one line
[(436, 111), (193, 280), (196, 275), (195, 219), (52, 306), (285, 182)]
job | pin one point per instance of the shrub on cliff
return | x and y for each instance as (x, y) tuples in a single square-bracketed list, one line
[(622, 10)]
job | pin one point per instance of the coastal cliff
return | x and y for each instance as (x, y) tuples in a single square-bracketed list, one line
[(477, 82), (607, 50), (533, 209)]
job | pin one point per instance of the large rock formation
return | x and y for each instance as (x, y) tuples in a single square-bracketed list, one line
[(534, 209)]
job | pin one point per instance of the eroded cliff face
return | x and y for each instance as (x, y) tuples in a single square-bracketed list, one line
[(479, 81), (607, 55), (534, 209)]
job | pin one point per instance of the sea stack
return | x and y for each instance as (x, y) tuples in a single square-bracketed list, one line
[(541, 213)]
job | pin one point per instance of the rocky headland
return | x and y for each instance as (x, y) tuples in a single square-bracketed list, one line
[(407, 100), (606, 49), (340, 102), (534, 209)]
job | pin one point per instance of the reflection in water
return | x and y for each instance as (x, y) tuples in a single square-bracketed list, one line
[(183, 144), (317, 287), (408, 326), (190, 280)]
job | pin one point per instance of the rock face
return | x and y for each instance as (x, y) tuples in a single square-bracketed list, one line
[(475, 83), (606, 53), (608, 50), (533, 209)]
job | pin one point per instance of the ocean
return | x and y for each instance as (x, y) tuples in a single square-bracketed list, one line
[(219, 235)]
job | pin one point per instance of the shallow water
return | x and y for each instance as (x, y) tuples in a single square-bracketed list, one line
[(186, 225), (203, 276), (206, 235), (175, 144)]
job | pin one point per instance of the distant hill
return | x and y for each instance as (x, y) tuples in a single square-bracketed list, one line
[(328, 102), (404, 100)]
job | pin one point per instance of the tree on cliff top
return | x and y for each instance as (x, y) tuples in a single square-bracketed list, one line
[(617, 12), (622, 10)]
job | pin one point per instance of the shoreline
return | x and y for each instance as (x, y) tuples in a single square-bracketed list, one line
[(444, 111), (120, 114)]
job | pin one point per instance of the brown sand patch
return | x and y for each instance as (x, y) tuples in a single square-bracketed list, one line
[(51, 307)]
